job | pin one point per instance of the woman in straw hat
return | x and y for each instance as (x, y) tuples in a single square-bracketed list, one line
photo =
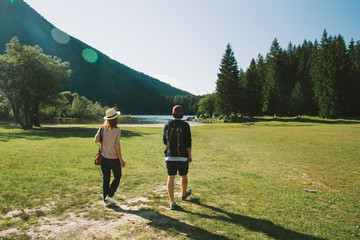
[(111, 152)]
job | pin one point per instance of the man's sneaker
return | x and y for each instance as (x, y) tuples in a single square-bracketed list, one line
[(172, 206), (110, 200), (188, 193)]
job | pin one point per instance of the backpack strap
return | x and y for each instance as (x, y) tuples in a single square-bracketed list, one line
[(169, 140), (178, 141)]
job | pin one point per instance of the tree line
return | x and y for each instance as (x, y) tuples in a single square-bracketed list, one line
[(31, 83), (320, 78), (29, 78)]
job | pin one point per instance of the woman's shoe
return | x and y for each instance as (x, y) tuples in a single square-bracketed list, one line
[(110, 200)]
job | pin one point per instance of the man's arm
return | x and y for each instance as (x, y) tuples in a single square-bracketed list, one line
[(190, 157), (188, 142), (164, 134)]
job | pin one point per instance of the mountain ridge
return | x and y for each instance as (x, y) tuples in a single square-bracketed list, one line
[(105, 80)]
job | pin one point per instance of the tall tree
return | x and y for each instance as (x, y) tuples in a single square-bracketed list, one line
[(328, 73), (305, 53), (273, 80), (28, 78), (296, 100), (242, 98), (352, 103), (252, 90), (291, 62), (227, 84), (261, 74)]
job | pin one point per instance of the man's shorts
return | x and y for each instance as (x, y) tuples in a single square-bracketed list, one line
[(174, 166)]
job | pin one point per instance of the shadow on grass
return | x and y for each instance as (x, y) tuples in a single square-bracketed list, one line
[(309, 120), (258, 225), (54, 132), (166, 223)]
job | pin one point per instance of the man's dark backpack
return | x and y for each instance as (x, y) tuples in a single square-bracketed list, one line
[(175, 138)]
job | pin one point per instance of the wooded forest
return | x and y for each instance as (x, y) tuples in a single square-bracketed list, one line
[(314, 78)]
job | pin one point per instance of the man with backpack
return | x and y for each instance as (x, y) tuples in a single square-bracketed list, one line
[(177, 138)]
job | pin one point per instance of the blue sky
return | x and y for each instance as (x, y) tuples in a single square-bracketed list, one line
[(182, 42)]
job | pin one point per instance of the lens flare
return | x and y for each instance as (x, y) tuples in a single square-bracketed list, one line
[(11, 1), (59, 36), (90, 55)]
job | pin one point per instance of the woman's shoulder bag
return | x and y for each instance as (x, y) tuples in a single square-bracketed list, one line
[(98, 157)]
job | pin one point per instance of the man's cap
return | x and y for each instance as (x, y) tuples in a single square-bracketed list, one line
[(177, 111)]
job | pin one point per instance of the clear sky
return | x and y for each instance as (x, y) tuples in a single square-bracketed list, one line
[(182, 42)]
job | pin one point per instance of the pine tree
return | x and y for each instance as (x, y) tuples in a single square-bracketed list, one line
[(328, 73), (261, 74), (290, 77), (274, 73), (227, 84), (252, 90), (296, 100), (352, 103), (305, 53), (242, 106)]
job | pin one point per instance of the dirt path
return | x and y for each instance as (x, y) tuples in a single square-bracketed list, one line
[(122, 221)]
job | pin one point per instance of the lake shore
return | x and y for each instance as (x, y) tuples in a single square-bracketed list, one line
[(119, 125), (98, 125)]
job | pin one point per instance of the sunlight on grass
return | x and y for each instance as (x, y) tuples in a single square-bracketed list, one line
[(247, 182)]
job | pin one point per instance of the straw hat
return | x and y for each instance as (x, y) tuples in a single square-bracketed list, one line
[(111, 113)]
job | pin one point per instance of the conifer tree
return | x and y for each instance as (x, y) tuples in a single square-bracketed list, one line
[(305, 52), (352, 103), (242, 98), (296, 100), (274, 70), (252, 91), (261, 74), (328, 73), (227, 84), (341, 79), (291, 62)]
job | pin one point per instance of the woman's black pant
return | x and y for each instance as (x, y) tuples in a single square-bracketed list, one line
[(106, 167)]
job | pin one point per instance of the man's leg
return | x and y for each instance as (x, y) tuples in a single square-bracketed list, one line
[(170, 187), (184, 183)]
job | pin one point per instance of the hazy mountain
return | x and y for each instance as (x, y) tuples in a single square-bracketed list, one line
[(105, 80)]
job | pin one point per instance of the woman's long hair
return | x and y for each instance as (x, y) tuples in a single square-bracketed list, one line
[(110, 124)]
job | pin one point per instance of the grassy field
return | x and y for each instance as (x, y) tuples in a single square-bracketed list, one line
[(248, 182)]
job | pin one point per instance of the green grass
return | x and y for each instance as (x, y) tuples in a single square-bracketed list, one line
[(247, 182)]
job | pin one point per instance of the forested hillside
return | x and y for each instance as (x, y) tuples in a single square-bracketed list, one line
[(94, 75)]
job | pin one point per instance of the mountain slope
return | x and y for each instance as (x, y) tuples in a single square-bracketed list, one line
[(106, 81)]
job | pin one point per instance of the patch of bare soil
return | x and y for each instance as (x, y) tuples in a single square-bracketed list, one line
[(122, 219)]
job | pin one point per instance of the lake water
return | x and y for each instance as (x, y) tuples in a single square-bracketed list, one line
[(155, 120), (152, 119)]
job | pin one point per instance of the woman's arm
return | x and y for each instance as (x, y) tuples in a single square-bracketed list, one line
[(122, 162), (97, 136)]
